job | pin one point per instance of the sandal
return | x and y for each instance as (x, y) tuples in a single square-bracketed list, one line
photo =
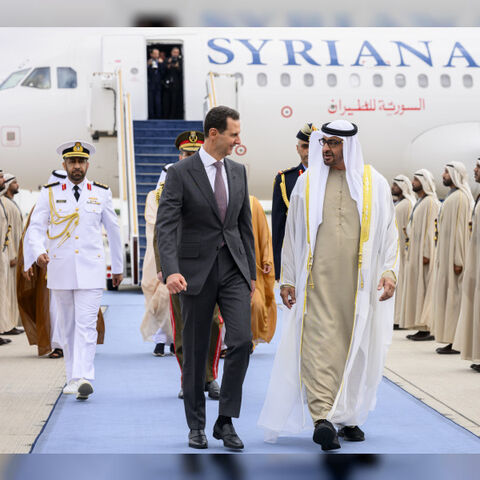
[(57, 353)]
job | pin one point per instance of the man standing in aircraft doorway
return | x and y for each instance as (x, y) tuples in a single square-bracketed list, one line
[(282, 188)]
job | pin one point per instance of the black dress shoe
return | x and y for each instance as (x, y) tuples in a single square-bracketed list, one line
[(326, 435), (447, 350), (213, 390), (229, 436), (4, 341), (13, 331), (352, 434), (476, 367), (421, 337), (180, 393), (197, 439)]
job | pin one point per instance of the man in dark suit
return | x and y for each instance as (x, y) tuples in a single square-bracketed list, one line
[(207, 253), (282, 189)]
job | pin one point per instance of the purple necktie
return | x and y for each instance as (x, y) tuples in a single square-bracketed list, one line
[(220, 191)]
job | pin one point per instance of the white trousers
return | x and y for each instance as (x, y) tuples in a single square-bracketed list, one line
[(160, 336), (77, 312), (55, 339)]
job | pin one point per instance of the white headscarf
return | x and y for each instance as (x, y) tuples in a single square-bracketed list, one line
[(56, 176), (459, 176), (163, 175), (405, 186), (318, 173), (8, 179), (425, 177)]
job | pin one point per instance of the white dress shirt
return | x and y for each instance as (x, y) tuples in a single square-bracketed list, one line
[(208, 162)]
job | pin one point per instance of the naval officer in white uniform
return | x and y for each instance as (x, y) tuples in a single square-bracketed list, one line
[(65, 234)]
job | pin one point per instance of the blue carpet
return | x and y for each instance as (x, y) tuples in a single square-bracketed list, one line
[(135, 408)]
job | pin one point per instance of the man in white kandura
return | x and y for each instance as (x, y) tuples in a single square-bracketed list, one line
[(402, 190), (420, 259), (65, 234), (467, 336), (450, 261), (340, 250)]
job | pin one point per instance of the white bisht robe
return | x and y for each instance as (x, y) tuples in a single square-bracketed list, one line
[(284, 410)]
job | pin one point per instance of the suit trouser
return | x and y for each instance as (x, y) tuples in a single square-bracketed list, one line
[(225, 286), (215, 339), (77, 314)]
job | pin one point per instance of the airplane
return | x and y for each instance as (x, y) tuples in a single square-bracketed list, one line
[(411, 91)]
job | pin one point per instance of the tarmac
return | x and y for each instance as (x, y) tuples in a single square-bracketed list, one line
[(30, 386)]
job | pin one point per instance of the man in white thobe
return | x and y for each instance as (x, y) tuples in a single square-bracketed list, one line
[(65, 234), (402, 190), (420, 257), (16, 229), (340, 250), (5, 320), (453, 236), (467, 336)]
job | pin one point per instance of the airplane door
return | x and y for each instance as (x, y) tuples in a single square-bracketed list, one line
[(127, 52), (222, 89)]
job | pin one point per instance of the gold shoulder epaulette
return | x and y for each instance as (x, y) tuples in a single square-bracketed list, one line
[(101, 185), (287, 170), (48, 185)]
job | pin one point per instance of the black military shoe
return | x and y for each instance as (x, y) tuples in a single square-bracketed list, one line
[(326, 435), (197, 439), (159, 350), (213, 390), (352, 434), (228, 434)]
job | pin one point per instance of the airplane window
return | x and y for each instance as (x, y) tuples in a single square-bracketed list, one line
[(377, 80), (66, 77), (467, 81), (239, 77), (308, 80), (39, 78), (400, 80), (354, 80), (331, 80), (422, 80), (285, 79), (13, 79), (445, 80), (261, 79)]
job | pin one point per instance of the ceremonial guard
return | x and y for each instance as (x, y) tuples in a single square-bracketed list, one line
[(65, 234), (282, 189)]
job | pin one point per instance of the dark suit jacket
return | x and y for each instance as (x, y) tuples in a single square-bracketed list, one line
[(189, 230)]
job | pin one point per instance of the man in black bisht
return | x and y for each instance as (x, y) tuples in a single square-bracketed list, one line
[(282, 188)]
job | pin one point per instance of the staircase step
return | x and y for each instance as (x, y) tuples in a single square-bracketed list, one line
[(155, 150), (158, 132), (180, 124)]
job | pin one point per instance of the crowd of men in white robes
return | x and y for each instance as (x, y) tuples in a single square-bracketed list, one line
[(439, 276)]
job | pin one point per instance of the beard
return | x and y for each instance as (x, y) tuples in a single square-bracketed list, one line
[(417, 189), (447, 182)]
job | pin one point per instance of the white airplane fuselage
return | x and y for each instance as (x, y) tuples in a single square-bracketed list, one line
[(413, 92)]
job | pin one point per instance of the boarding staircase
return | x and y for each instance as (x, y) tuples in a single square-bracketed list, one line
[(154, 148)]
